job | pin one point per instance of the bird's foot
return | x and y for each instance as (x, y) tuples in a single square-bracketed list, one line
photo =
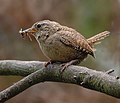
[(49, 62), (65, 65)]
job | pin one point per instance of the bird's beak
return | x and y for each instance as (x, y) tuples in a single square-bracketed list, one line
[(28, 32)]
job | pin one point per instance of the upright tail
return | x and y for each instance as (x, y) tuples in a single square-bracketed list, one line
[(97, 38)]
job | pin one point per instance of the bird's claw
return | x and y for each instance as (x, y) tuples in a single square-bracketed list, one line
[(64, 66)]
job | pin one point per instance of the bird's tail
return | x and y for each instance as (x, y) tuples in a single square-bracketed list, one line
[(97, 38)]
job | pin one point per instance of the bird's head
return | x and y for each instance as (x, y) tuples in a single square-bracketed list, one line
[(41, 30)]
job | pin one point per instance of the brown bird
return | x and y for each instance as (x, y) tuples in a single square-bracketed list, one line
[(61, 43)]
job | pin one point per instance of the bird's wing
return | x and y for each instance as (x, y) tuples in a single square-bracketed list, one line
[(75, 40)]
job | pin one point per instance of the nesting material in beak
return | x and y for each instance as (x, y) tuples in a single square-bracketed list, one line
[(28, 32)]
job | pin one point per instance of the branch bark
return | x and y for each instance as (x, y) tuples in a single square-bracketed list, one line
[(35, 72)]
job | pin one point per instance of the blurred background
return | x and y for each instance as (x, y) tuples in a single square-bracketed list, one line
[(89, 17)]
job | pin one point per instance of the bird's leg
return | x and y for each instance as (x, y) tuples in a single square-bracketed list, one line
[(49, 62), (72, 62)]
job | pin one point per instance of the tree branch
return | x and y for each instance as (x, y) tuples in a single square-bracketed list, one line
[(19, 68), (91, 79)]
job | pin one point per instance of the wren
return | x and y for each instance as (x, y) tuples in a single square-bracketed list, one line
[(62, 44)]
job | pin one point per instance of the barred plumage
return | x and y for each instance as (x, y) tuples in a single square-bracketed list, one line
[(61, 43)]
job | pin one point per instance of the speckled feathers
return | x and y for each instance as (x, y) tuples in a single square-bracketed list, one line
[(61, 43)]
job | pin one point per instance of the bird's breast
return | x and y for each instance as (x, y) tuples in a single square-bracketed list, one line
[(57, 51)]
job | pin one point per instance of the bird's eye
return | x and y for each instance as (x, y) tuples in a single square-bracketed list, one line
[(38, 25)]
